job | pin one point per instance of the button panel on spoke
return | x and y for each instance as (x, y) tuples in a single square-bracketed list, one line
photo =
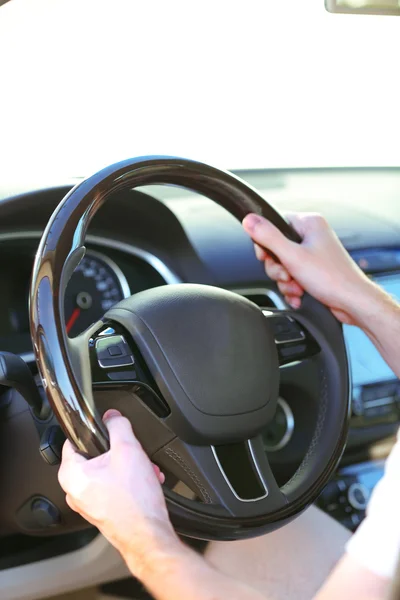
[(293, 342), (113, 351), (116, 363), (286, 330)]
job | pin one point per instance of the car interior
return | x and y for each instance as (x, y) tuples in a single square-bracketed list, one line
[(302, 411)]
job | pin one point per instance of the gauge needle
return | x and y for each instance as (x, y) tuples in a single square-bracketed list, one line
[(70, 323)]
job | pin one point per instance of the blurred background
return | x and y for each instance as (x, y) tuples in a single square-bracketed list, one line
[(262, 83)]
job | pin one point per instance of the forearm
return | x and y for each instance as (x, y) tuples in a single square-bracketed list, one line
[(366, 569), (378, 314), (180, 573)]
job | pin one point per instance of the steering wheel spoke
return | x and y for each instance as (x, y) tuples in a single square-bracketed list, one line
[(236, 477)]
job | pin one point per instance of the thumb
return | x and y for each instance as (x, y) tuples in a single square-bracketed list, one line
[(119, 428), (266, 235)]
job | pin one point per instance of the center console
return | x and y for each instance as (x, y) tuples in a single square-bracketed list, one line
[(345, 498)]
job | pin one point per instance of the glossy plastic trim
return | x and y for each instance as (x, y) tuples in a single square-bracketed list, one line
[(151, 259)]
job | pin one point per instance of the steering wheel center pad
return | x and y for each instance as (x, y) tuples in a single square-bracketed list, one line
[(213, 356)]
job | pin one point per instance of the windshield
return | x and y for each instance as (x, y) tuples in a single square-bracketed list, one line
[(254, 84)]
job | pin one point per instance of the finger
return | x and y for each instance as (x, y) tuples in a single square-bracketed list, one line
[(71, 461), (71, 455), (119, 428), (293, 301), (111, 412), (159, 473), (275, 270), (290, 288), (264, 233), (261, 254), (306, 222), (295, 219), (69, 500)]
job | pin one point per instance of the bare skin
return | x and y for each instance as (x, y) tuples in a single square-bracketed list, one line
[(322, 267), (135, 519), (120, 493)]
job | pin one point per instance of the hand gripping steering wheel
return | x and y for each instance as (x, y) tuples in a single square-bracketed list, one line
[(195, 368)]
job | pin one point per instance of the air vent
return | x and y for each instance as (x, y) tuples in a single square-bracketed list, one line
[(264, 298)]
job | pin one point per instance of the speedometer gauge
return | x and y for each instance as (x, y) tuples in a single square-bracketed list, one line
[(95, 286)]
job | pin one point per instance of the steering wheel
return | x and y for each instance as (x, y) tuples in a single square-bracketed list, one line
[(195, 368)]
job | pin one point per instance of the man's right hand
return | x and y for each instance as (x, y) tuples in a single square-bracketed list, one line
[(319, 265)]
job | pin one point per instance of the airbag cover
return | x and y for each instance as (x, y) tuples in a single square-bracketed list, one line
[(217, 345)]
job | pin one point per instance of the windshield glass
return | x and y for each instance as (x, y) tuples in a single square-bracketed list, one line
[(237, 84)]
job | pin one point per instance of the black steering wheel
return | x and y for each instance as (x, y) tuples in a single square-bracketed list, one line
[(195, 368)]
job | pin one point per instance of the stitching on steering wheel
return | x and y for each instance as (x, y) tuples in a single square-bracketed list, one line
[(317, 434), (181, 462)]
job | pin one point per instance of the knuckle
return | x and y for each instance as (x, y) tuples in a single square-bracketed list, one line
[(282, 288), (283, 274), (317, 220), (278, 271), (62, 477), (269, 269), (125, 447), (264, 230), (70, 501), (121, 424), (125, 422)]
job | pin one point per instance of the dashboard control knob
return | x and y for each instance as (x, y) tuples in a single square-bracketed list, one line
[(51, 444), (15, 373), (329, 497), (44, 513), (358, 496)]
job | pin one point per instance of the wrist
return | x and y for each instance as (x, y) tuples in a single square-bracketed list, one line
[(152, 552), (367, 304), (171, 571)]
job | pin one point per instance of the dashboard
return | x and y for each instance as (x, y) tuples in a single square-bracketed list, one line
[(104, 277), (161, 235)]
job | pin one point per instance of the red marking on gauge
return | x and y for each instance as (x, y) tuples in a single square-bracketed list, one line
[(72, 320)]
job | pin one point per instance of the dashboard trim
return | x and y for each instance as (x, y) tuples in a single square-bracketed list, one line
[(154, 261), (277, 300), (151, 259)]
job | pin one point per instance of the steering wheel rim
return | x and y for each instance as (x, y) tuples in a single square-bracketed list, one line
[(65, 368)]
